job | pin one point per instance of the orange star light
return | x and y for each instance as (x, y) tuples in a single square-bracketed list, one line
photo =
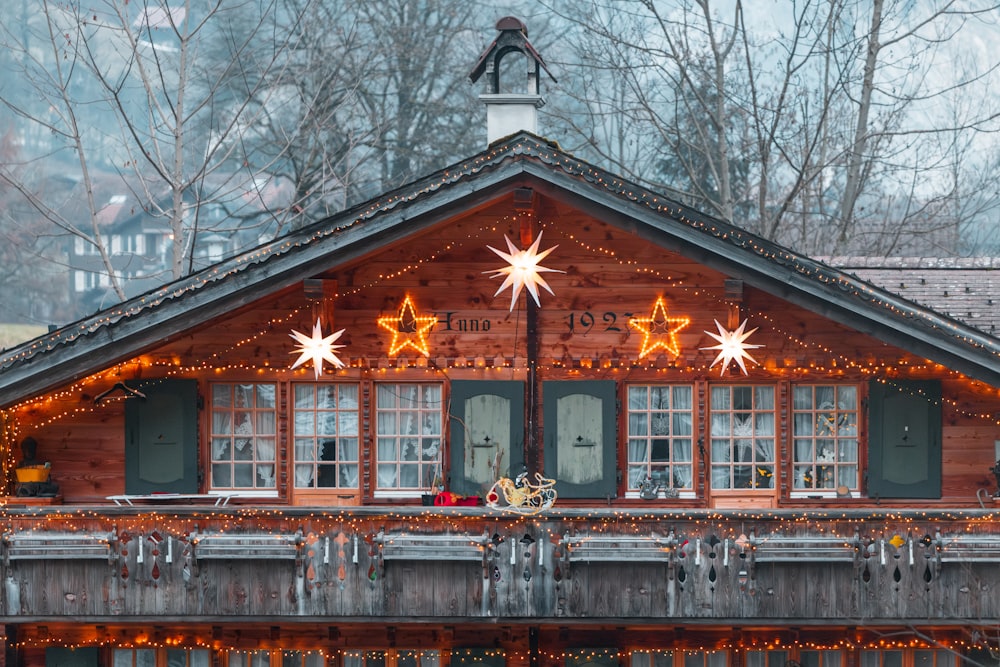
[(408, 329), (660, 329)]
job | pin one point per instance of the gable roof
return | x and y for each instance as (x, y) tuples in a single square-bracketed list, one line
[(522, 160), (964, 288)]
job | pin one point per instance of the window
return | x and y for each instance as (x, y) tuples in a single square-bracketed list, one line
[(660, 436), (326, 436), (829, 658), (392, 659), (653, 659), (706, 658), (767, 659), (243, 436), (142, 657), (249, 659), (825, 432), (302, 659), (742, 432), (408, 432)]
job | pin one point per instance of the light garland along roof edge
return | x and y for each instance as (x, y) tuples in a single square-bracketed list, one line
[(526, 153)]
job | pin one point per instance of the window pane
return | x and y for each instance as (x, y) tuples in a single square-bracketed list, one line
[(657, 415), (825, 419), (322, 416)]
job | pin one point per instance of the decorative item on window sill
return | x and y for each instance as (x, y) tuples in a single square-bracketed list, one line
[(521, 496), (649, 489)]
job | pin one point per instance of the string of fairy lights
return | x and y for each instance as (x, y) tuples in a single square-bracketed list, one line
[(761, 641)]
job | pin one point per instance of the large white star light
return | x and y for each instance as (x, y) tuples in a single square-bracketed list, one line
[(317, 348), (523, 270), (732, 347)]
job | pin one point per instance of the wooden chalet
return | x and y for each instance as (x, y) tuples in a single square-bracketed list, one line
[(309, 454)]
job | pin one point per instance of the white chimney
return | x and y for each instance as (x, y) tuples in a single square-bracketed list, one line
[(510, 111)]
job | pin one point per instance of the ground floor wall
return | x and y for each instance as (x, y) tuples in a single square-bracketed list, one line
[(160, 642)]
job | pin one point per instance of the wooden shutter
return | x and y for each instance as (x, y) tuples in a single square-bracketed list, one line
[(161, 438), (904, 439), (486, 419), (580, 437)]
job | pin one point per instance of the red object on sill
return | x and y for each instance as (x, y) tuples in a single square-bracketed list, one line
[(448, 499)]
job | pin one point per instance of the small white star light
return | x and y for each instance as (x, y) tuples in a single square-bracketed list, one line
[(732, 347), (317, 348), (523, 270)]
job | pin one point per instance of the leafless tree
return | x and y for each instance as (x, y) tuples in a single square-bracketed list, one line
[(821, 127)]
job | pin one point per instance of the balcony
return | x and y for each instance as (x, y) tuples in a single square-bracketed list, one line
[(451, 564)]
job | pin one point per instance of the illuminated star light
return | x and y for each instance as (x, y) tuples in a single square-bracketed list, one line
[(317, 348), (523, 270), (732, 347), (408, 329), (660, 329)]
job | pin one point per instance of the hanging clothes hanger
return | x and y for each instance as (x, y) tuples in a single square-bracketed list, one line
[(122, 387)]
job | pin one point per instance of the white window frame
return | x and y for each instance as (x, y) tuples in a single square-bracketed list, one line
[(829, 430), (408, 437), (737, 431), (320, 426), (244, 435), (640, 420)]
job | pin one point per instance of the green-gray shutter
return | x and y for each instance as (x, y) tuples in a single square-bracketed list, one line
[(486, 418), (580, 437), (161, 438), (904, 439)]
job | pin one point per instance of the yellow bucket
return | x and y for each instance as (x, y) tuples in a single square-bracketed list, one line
[(32, 474)]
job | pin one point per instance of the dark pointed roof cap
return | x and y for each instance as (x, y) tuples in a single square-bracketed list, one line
[(513, 36)]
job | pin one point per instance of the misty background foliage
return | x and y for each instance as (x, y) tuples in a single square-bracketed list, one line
[(141, 140)]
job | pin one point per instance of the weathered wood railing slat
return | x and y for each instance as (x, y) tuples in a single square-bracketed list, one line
[(249, 545), (58, 545)]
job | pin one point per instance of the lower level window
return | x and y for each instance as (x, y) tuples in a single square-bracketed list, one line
[(243, 436), (400, 658), (172, 657), (408, 434), (742, 432)]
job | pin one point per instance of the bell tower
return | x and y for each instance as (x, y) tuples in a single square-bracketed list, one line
[(511, 106)]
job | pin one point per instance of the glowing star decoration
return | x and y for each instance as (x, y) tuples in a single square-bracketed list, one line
[(523, 270), (660, 330), (408, 329), (732, 347), (317, 348)]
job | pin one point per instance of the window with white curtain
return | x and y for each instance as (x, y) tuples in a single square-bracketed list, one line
[(742, 435), (825, 436), (660, 437), (326, 435), (243, 437), (408, 434)]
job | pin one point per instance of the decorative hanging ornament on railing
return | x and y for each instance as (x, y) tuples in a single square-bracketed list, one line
[(523, 270)]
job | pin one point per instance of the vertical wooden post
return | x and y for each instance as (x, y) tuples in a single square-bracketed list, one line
[(8, 656), (524, 204)]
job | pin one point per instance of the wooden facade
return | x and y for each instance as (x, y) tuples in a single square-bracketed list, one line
[(833, 505)]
